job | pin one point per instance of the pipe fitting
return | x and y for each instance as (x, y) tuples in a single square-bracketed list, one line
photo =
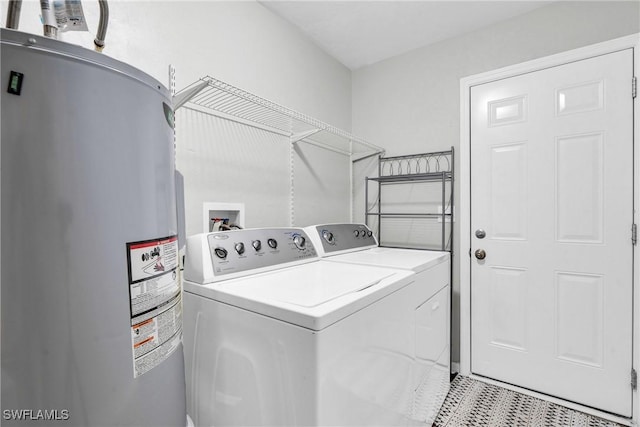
[(102, 26)]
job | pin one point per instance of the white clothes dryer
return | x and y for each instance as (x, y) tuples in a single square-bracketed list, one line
[(274, 335), (356, 244)]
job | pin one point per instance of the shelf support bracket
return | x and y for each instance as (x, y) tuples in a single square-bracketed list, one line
[(367, 156), (182, 97), (302, 135)]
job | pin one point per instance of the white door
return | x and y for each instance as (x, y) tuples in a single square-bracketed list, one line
[(551, 186)]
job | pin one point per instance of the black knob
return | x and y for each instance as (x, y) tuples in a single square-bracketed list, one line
[(239, 248), (221, 253), (257, 244), (328, 236), (369, 233), (272, 243)]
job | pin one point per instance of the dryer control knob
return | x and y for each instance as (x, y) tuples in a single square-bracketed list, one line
[(273, 243), (356, 233), (328, 236), (239, 248), (369, 233), (299, 241), (221, 253), (257, 244)]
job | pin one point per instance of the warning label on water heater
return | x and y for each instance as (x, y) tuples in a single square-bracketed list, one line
[(155, 301)]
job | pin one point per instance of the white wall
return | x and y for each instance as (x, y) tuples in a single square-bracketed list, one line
[(410, 103), (244, 44)]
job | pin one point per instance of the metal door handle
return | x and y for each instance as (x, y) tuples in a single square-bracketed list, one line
[(480, 254)]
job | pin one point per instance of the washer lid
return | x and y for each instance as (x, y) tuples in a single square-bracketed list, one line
[(406, 259), (310, 286), (313, 295)]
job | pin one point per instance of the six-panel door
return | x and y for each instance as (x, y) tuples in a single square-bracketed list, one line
[(552, 188)]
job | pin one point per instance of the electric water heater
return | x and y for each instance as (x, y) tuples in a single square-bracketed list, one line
[(91, 298)]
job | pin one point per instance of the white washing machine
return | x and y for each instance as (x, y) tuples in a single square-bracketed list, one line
[(356, 244), (274, 335)]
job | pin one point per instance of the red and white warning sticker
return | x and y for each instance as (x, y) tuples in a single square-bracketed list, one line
[(152, 257), (155, 301)]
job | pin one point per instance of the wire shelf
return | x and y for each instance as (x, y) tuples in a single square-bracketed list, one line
[(415, 177), (425, 164), (221, 99)]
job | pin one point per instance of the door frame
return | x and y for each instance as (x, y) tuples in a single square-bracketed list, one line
[(464, 237)]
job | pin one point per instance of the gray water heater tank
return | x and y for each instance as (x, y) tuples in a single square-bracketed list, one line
[(91, 298)]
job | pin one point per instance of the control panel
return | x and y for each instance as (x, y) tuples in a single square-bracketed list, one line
[(238, 251), (343, 237)]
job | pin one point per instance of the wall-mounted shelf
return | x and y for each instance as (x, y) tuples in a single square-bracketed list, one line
[(436, 171), (215, 97)]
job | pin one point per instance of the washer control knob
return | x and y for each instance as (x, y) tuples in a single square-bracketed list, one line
[(273, 243), (299, 241), (239, 248), (328, 236), (356, 233), (369, 233), (221, 253), (257, 244)]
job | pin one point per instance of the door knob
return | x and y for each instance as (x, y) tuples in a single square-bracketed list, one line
[(480, 254)]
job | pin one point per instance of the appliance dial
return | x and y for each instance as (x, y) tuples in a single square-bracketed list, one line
[(257, 244), (369, 233), (356, 233), (272, 243), (299, 241), (239, 248), (221, 253), (328, 236)]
